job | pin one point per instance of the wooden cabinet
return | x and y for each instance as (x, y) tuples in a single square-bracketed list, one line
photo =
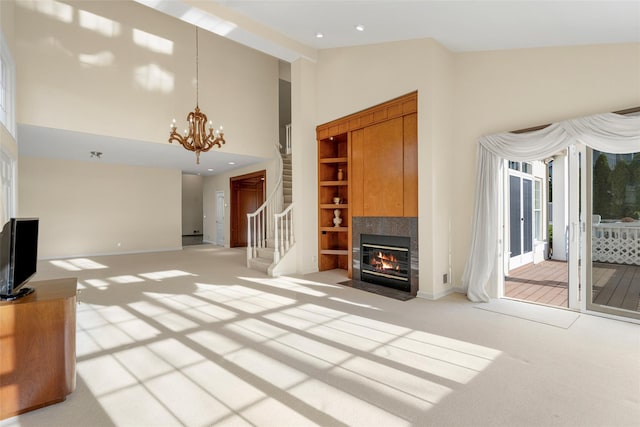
[(38, 347), (333, 202), (377, 152)]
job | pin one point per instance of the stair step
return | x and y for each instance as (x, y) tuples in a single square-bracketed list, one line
[(268, 251), (260, 264)]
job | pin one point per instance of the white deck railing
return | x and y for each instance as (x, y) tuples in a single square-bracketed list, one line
[(617, 243)]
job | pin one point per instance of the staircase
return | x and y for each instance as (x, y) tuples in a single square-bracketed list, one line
[(286, 179), (270, 229)]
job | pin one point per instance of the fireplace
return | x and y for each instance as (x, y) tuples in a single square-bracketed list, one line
[(398, 233), (386, 260)]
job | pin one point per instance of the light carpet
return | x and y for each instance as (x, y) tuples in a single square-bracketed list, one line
[(552, 316), (194, 338)]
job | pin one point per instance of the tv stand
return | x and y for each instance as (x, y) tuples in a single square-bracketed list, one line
[(22, 292), (38, 347)]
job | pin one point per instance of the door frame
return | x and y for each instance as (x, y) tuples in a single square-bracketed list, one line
[(586, 271), (235, 183), (522, 258)]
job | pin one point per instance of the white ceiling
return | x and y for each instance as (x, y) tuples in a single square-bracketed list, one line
[(458, 25), (286, 29)]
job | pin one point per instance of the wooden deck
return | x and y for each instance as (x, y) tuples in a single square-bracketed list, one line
[(542, 283), (614, 285), (617, 285)]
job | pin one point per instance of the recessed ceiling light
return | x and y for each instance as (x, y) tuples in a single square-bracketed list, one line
[(319, 35), (360, 27), (210, 170), (231, 163)]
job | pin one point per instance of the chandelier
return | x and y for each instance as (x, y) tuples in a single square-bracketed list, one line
[(196, 138)]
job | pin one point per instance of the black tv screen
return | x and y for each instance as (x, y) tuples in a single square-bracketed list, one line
[(18, 256), (5, 258)]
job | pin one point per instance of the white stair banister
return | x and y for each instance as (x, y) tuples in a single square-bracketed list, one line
[(270, 228)]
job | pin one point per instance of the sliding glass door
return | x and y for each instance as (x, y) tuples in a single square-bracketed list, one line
[(613, 234)]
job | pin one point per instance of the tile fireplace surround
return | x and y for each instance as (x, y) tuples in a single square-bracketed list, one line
[(386, 226)]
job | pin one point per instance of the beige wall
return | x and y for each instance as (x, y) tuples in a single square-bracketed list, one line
[(89, 208), (304, 164), (506, 90), (125, 70), (352, 79), (7, 21), (192, 186)]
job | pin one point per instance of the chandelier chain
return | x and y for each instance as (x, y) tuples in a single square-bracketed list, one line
[(197, 67)]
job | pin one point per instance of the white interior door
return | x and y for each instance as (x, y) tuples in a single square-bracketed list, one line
[(220, 218)]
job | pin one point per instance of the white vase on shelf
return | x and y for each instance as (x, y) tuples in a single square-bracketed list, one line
[(336, 218)]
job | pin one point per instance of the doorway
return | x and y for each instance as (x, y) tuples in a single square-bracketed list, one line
[(538, 263), (247, 195), (601, 200), (220, 207)]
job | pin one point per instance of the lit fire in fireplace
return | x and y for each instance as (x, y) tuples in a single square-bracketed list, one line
[(384, 262)]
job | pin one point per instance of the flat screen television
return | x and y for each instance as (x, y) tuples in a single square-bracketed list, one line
[(18, 257)]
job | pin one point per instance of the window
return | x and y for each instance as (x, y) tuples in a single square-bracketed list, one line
[(7, 88), (3, 82), (537, 209), (7, 181), (524, 167)]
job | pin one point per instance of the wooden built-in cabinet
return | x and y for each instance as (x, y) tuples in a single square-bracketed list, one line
[(333, 196), (377, 152)]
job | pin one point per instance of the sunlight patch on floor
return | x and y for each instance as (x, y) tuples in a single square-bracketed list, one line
[(275, 351), (126, 279), (78, 264), (168, 274)]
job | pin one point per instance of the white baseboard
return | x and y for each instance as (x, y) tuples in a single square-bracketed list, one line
[(436, 296)]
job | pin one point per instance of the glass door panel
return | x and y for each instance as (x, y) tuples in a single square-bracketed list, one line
[(614, 235)]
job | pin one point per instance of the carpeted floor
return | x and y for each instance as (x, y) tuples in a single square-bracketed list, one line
[(194, 338)]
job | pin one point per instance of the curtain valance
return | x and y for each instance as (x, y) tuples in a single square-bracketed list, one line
[(608, 132)]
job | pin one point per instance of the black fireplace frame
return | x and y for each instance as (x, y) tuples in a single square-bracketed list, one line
[(400, 245)]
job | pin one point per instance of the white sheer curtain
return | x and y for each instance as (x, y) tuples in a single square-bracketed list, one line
[(609, 132)]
